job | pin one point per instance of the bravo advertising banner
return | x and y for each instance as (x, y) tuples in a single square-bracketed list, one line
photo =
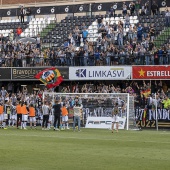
[(100, 73)]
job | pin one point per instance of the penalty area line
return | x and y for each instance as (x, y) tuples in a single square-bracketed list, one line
[(85, 138)]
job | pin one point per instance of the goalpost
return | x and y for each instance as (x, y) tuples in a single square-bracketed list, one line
[(97, 107)]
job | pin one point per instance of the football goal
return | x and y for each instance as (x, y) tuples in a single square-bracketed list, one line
[(97, 107)]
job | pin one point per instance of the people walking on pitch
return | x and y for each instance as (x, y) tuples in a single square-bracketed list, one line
[(57, 114), (77, 114), (115, 117), (64, 117)]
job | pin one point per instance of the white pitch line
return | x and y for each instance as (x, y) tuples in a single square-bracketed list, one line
[(106, 139)]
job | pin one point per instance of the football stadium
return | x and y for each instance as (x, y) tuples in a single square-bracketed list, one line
[(84, 85)]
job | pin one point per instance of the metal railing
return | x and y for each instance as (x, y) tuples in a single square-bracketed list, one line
[(76, 60)]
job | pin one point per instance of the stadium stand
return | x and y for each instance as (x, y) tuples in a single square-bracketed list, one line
[(81, 40), (36, 26), (7, 25)]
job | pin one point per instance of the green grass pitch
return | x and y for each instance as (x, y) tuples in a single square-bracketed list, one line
[(90, 149)]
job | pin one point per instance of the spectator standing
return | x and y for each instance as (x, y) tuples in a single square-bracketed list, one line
[(66, 44), (143, 10), (81, 56), (120, 37), (139, 33), (19, 115), (167, 18), (77, 115), (83, 26), (10, 87), (38, 41), (3, 92), (154, 8), (155, 53), (103, 31), (165, 58), (86, 55), (2, 38), (28, 13), (68, 57), (145, 31), (168, 54), (115, 117), (22, 14), (27, 56), (77, 40), (23, 59), (97, 58), (19, 31), (19, 59), (32, 116), (64, 116), (134, 33), (142, 55), (57, 114), (99, 20), (151, 45), (132, 8), (84, 35), (45, 111), (137, 7), (112, 36), (147, 8), (147, 56), (127, 20), (152, 33), (112, 12), (11, 36), (152, 58), (124, 9), (160, 56)]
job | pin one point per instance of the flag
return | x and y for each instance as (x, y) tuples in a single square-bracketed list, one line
[(146, 93), (144, 115), (51, 77)]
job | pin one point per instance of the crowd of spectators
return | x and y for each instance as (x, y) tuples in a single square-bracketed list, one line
[(117, 44), (143, 92), (131, 87), (134, 88)]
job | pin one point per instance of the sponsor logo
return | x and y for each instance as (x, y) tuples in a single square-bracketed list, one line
[(8, 13), (115, 6), (163, 3), (67, 9), (141, 73), (151, 72), (81, 8), (99, 7), (81, 73), (52, 10), (38, 11), (113, 72)]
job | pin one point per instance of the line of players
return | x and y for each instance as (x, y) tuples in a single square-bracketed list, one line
[(21, 114)]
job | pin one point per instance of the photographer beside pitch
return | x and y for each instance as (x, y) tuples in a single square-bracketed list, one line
[(115, 117)]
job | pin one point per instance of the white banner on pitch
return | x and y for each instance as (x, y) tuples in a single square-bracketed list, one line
[(100, 73), (103, 122)]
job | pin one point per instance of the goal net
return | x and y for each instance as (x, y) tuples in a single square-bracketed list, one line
[(97, 107)]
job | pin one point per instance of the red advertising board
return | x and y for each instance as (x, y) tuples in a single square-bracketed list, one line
[(150, 72)]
